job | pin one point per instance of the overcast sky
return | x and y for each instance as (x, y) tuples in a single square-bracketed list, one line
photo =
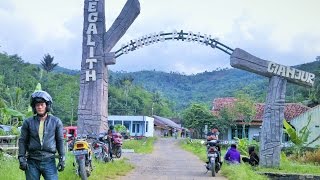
[(284, 31)]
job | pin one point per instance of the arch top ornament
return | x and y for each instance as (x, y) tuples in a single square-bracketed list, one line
[(189, 36)]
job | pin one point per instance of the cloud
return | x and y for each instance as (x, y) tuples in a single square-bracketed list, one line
[(284, 31)]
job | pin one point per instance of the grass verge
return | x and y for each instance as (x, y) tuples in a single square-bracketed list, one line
[(9, 169), (144, 145), (232, 172), (291, 167)]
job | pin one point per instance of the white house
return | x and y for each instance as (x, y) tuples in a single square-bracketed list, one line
[(291, 111), (314, 126), (137, 125)]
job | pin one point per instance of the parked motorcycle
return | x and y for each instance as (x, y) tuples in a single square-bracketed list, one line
[(101, 149), (83, 158), (213, 157), (116, 144)]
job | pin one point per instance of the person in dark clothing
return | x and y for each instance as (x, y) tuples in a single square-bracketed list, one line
[(214, 135), (41, 136), (110, 139), (233, 155), (253, 159)]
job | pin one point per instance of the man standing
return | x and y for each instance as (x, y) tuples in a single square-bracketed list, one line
[(41, 136)]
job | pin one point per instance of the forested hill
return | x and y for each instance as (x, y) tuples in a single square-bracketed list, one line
[(204, 87)]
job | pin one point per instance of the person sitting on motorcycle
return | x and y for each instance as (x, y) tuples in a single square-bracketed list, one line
[(214, 135)]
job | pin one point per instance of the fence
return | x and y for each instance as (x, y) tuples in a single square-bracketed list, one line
[(9, 144)]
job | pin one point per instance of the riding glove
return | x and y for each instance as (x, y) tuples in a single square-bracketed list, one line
[(61, 164), (23, 163)]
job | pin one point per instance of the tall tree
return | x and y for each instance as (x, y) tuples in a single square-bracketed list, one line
[(245, 109), (47, 63), (197, 116)]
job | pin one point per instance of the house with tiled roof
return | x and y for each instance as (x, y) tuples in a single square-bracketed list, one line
[(164, 126), (291, 111)]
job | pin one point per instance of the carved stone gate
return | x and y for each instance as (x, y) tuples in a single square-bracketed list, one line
[(96, 47)]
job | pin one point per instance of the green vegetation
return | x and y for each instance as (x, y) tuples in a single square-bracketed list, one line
[(197, 116), (9, 169), (18, 79), (294, 168), (144, 145), (299, 139), (138, 93), (242, 171)]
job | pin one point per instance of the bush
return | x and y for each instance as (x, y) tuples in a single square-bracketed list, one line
[(244, 144), (311, 156)]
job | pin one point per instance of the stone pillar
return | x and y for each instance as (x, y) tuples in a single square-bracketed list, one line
[(272, 126), (96, 55), (92, 109)]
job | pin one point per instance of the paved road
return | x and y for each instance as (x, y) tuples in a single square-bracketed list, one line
[(167, 162)]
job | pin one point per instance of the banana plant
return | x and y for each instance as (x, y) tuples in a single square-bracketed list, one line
[(6, 113), (299, 139)]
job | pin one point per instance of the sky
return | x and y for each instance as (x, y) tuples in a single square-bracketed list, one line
[(283, 31)]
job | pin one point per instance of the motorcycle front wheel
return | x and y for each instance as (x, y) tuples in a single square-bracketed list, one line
[(119, 152), (213, 165)]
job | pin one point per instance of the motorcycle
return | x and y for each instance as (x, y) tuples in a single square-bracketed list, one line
[(213, 156), (83, 158), (116, 144), (101, 149)]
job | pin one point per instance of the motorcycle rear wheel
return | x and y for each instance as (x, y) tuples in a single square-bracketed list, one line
[(82, 169)]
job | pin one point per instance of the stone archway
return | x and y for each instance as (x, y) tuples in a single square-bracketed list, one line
[(96, 47)]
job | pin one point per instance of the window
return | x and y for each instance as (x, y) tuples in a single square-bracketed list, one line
[(136, 127), (133, 128), (117, 122), (127, 124), (285, 137), (237, 132), (110, 123), (147, 123)]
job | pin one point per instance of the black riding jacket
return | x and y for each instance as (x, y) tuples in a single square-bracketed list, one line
[(29, 141)]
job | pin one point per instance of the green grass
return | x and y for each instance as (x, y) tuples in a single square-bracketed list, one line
[(231, 172), (242, 171), (294, 168), (143, 146), (9, 169), (196, 148)]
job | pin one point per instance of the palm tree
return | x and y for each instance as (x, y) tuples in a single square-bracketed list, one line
[(47, 63)]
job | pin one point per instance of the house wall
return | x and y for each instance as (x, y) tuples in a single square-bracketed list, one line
[(141, 121), (254, 130), (150, 125), (314, 126)]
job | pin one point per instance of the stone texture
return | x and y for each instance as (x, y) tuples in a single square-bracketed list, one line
[(93, 100), (271, 132)]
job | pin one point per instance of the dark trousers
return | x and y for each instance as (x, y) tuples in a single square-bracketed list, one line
[(46, 168)]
